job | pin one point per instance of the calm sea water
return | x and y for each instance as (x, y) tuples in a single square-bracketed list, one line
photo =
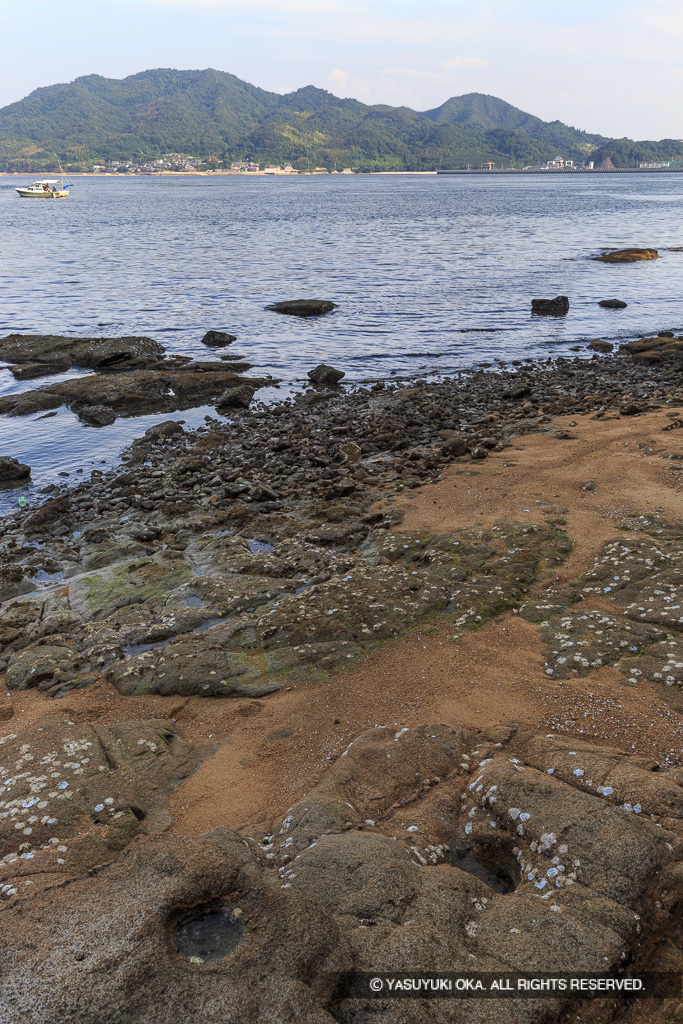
[(431, 274)]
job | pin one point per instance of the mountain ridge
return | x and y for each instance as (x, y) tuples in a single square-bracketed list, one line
[(214, 115)]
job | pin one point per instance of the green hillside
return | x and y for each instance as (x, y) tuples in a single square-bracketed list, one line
[(212, 114)]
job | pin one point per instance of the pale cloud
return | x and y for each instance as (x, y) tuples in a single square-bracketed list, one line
[(289, 7), (456, 63)]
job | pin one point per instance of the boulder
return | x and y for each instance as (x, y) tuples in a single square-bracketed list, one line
[(12, 469), (166, 429), (627, 256), (235, 398), (217, 339), (551, 307), (601, 346), (324, 374), (303, 307), (96, 415), (613, 304), (454, 447)]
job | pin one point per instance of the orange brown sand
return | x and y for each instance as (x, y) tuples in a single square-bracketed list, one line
[(271, 751)]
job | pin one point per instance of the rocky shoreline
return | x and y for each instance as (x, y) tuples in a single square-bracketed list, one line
[(271, 552)]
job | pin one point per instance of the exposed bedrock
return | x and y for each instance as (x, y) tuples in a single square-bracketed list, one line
[(437, 848)]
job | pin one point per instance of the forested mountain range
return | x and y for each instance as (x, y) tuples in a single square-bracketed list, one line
[(216, 116)]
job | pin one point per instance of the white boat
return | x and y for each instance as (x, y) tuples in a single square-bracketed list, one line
[(48, 188)]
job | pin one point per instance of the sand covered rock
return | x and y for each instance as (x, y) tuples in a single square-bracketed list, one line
[(641, 576)]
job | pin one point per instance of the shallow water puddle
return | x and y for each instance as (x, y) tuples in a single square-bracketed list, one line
[(209, 624), (257, 546), (131, 650), (209, 936), (493, 874)]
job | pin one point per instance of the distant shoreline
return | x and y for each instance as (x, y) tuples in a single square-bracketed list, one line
[(356, 174)]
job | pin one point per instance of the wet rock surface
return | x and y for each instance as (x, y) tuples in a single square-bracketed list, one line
[(54, 352), (324, 374), (445, 849), (229, 560), (133, 393), (613, 304), (665, 347)]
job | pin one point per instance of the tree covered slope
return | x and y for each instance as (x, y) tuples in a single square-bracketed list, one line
[(214, 114)]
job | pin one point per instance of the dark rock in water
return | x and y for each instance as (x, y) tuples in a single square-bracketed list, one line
[(324, 374), (96, 415), (93, 353), (217, 339), (303, 307), (630, 409), (12, 469), (236, 398), (601, 346), (612, 304), (552, 307), (627, 256)]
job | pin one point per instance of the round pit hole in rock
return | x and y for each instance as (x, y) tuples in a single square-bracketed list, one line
[(499, 878), (209, 935)]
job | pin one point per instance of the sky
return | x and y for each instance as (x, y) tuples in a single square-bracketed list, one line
[(609, 66)]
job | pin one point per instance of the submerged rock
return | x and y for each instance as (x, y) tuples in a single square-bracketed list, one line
[(553, 307), (303, 307), (627, 256)]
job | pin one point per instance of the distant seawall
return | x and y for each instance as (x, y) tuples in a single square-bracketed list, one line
[(572, 170)]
